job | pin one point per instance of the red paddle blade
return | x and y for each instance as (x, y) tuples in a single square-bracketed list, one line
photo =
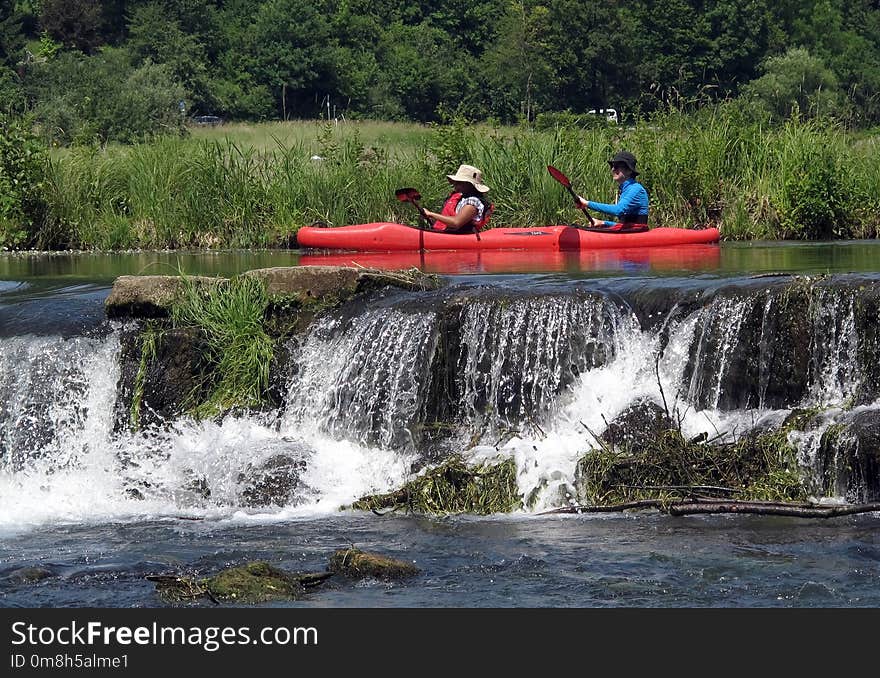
[(559, 176), (407, 194)]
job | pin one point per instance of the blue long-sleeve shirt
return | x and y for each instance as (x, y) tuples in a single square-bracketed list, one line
[(632, 200)]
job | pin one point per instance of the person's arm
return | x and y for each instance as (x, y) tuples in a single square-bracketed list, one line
[(583, 205), (629, 199), (465, 215)]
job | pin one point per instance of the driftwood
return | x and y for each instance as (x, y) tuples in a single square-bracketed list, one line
[(704, 506), (607, 508), (771, 509)]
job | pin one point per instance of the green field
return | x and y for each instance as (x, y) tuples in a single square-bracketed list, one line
[(254, 185)]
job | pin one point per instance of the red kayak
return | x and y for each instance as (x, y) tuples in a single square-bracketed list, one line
[(669, 258), (390, 237)]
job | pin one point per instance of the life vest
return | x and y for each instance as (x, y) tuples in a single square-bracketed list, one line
[(449, 208)]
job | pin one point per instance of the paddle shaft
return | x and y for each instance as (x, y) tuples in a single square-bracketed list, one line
[(564, 180)]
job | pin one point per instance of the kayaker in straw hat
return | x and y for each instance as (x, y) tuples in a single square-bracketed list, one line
[(467, 209), (631, 208)]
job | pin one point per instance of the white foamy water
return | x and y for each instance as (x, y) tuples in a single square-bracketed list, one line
[(62, 463)]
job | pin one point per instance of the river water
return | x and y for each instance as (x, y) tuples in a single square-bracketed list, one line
[(70, 535)]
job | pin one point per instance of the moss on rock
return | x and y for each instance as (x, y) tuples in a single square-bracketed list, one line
[(254, 582), (358, 564)]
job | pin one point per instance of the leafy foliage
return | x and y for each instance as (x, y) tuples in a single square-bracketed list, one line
[(504, 60), (76, 23), (22, 166), (796, 83), (95, 99)]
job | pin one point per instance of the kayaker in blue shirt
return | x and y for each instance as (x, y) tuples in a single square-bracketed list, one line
[(631, 208)]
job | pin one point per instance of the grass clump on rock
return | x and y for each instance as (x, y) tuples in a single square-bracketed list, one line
[(454, 487), (231, 314), (149, 340)]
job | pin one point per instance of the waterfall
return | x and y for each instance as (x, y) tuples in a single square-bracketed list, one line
[(56, 399), (368, 380), (518, 356), (375, 393)]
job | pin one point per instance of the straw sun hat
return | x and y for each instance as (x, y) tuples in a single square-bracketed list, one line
[(471, 175)]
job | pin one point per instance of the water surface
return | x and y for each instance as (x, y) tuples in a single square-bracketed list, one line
[(94, 546)]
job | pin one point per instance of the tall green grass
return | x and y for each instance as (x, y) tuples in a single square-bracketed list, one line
[(254, 186), (230, 313)]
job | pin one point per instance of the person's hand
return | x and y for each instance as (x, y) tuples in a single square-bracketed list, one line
[(580, 203)]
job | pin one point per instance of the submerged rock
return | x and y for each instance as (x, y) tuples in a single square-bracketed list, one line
[(28, 575), (255, 582), (259, 582), (359, 564)]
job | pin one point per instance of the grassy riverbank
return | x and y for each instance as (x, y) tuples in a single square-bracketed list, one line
[(255, 185)]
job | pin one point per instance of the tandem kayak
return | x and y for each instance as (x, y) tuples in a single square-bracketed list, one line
[(391, 237)]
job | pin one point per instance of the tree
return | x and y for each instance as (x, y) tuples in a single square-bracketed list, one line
[(740, 36), (11, 38), (417, 74), (517, 67), (796, 82), (156, 36), (291, 41), (75, 23), (670, 42), (587, 57), (103, 97)]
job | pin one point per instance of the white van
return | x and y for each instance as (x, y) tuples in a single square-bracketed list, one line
[(609, 113)]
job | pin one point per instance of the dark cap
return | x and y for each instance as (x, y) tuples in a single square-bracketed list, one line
[(626, 158)]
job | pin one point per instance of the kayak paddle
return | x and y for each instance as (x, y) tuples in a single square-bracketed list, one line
[(411, 195), (564, 180)]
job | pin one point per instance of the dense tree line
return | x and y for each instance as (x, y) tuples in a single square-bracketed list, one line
[(115, 68)]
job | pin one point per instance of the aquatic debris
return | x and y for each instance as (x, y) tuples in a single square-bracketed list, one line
[(453, 487), (688, 507), (758, 467)]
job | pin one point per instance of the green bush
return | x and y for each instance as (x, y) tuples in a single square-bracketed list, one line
[(812, 198), (83, 100), (22, 163)]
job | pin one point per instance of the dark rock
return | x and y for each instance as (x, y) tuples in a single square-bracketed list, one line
[(175, 379), (638, 427), (752, 349), (28, 575), (850, 457), (273, 482)]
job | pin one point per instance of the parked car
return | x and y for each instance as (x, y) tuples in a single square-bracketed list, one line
[(208, 120), (609, 113)]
